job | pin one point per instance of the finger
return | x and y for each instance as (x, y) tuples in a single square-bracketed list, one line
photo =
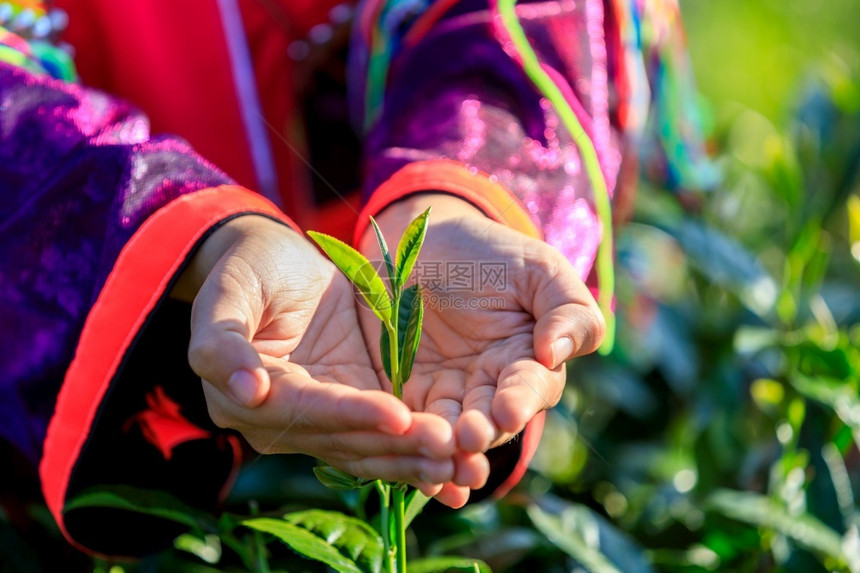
[(474, 429), (223, 320), (428, 489), (306, 405), (452, 495), (401, 468), (429, 436), (448, 409), (569, 322), (524, 389), (298, 406), (471, 470)]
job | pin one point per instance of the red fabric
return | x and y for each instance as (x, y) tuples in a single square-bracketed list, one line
[(138, 281), (531, 439), (163, 425), (453, 178), (121, 46)]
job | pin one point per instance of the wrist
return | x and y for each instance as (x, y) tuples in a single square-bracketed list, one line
[(394, 218), (216, 245)]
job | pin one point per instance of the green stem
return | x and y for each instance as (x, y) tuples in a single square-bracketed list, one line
[(385, 525), (259, 544), (400, 541), (394, 349)]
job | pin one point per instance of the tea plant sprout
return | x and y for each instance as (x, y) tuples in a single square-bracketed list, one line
[(342, 542)]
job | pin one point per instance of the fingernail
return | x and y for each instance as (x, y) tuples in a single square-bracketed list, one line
[(562, 349), (243, 387)]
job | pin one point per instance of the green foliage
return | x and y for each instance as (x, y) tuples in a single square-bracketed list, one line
[(409, 247), (151, 502), (448, 564), (334, 478), (307, 543), (410, 314)]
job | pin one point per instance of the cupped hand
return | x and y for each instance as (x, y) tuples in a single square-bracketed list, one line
[(276, 340), (494, 343)]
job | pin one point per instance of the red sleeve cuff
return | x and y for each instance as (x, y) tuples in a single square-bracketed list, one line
[(141, 278), (454, 178)]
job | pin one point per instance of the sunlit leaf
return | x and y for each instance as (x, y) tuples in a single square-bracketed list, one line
[(208, 548), (587, 537), (445, 564), (726, 262), (410, 246), (762, 511), (353, 537), (359, 271), (835, 393), (411, 305), (305, 543), (383, 248)]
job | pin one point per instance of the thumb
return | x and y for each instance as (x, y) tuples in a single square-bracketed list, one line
[(224, 318), (569, 322)]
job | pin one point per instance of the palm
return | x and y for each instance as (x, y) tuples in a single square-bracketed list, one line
[(317, 328), (477, 349)]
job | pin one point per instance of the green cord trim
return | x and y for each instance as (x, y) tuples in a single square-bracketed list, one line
[(545, 84)]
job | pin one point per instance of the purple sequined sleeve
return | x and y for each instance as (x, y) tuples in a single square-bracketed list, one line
[(79, 173)]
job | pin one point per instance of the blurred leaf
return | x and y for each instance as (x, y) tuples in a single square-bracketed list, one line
[(839, 395), (334, 478), (151, 502), (208, 548), (768, 394), (588, 538), (727, 263), (761, 511), (443, 564)]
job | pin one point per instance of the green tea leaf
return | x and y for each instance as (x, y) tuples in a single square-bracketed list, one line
[(761, 511), (358, 270), (305, 543), (410, 246), (150, 502), (333, 478), (410, 313), (352, 537), (386, 254), (415, 502), (448, 563), (385, 351), (576, 533), (412, 303)]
